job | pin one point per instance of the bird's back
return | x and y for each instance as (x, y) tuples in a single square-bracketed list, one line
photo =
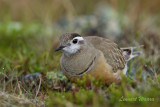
[(112, 53)]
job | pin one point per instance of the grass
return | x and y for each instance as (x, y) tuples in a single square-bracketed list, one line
[(24, 53), (30, 73)]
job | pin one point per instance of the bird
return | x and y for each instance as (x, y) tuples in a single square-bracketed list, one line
[(93, 56)]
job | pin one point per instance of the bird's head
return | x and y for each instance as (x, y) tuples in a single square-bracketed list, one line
[(70, 43)]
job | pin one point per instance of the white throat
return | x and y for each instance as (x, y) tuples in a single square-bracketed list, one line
[(73, 48)]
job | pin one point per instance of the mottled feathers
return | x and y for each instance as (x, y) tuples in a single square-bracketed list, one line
[(112, 53)]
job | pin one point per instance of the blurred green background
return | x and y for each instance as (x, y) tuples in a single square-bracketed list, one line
[(29, 31)]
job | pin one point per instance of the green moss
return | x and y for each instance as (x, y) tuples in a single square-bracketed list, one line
[(24, 50)]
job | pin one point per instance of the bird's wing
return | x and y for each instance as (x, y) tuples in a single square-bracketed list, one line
[(112, 53)]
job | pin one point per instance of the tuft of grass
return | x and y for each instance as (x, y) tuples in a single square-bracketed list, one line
[(30, 72), (30, 75)]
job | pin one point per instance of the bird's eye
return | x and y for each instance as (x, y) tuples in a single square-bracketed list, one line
[(75, 41)]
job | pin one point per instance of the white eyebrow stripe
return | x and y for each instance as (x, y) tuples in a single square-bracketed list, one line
[(79, 38)]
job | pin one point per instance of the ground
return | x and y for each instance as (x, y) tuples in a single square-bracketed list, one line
[(25, 56), (30, 73)]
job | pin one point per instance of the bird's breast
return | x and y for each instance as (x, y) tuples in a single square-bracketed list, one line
[(100, 69), (77, 65)]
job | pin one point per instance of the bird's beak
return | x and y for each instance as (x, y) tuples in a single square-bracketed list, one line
[(59, 48)]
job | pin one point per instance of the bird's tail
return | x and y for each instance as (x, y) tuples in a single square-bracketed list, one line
[(129, 52)]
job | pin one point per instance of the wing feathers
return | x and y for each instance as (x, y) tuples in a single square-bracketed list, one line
[(112, 53)]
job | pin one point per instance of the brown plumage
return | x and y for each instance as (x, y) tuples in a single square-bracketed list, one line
[(95, 56), (111, 51)]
